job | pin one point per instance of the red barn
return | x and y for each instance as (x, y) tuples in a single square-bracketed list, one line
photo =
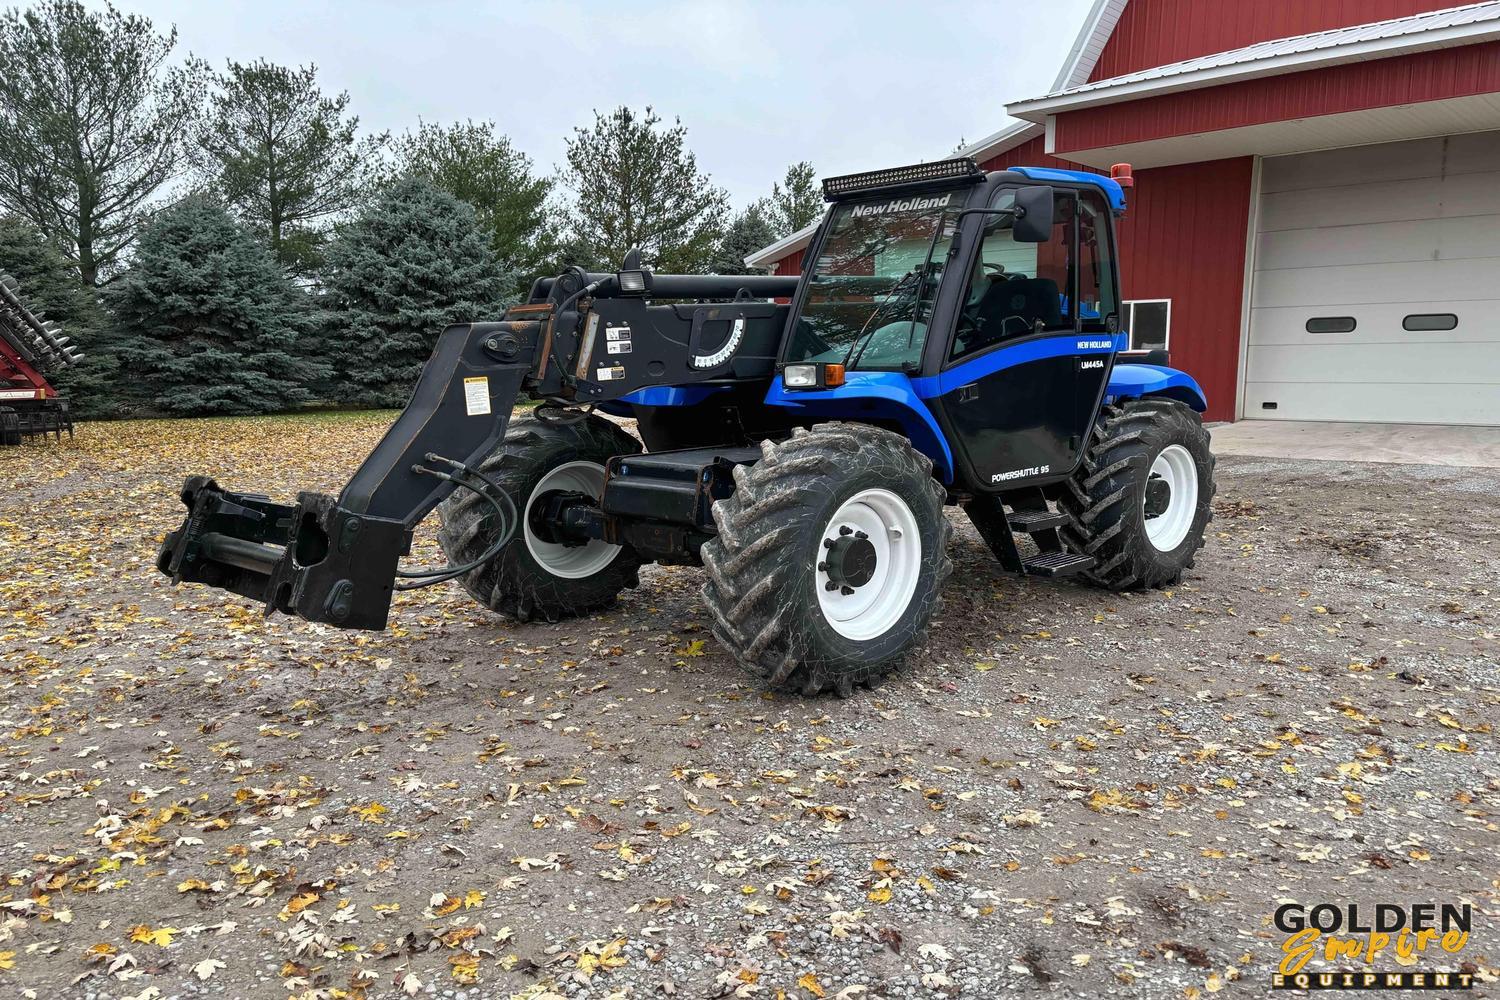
[(1315, 227)]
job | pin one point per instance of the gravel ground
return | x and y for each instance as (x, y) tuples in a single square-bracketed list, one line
[(1067, 793)]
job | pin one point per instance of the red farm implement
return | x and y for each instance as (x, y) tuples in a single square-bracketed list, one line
[(30, 347)]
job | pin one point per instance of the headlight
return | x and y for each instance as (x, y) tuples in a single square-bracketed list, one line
[(812, 376), (800, 376)]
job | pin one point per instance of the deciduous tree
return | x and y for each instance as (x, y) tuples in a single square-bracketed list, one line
[(478, 165), (92, 125)]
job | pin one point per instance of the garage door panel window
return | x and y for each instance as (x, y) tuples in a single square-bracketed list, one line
[(1149, 323), (1419, 322), (1331, 324)]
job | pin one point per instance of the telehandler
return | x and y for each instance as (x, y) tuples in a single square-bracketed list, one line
[(952, 339)]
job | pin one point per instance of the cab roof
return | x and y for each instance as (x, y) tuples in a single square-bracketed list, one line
[(1111, 188)]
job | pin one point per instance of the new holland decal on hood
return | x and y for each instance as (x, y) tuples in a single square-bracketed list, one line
[(902, 205)]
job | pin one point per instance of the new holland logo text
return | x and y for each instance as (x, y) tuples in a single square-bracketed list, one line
[(902, 205)]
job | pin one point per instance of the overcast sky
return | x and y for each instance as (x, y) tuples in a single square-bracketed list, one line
[(849, 85)]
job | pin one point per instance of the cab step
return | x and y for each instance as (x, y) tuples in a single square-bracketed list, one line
[(1056, 564), (1033, 521)]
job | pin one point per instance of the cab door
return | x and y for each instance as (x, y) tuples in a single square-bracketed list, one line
[(1031, 349)]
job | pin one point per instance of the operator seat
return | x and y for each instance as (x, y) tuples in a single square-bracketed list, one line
[(1011, 307)]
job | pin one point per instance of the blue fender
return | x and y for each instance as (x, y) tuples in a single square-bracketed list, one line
[(1132, 381), (869, 396), (661, 395)]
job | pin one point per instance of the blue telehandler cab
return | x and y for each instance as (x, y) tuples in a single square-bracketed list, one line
[(953, 339)]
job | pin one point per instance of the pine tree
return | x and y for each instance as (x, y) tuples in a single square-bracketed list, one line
[(799, 203), (414, 262), (206, 320), (637, 185), (92, 125), (284, 155), (751, 230)]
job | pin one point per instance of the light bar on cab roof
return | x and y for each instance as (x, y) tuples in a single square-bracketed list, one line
[(961, 169)]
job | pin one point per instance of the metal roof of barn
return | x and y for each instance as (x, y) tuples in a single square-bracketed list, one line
[(1454, 26)]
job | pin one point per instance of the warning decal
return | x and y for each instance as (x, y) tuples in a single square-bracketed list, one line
[(477, 395)]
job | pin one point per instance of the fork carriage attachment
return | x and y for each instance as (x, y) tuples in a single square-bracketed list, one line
[(334, 559)]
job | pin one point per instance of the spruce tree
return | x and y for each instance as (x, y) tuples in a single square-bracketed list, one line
[(206, 320), (415, 261), (751, 230)]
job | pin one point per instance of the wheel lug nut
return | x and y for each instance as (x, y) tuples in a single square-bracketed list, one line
[(822, 567), (828, 543), (844, 529), (847, 591), (860, 534), (830, 585)]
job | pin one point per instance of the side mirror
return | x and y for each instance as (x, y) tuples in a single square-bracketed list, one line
[(1033, 215), (631, 278)]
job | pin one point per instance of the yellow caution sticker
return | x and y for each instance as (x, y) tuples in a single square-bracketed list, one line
[(477, 395)]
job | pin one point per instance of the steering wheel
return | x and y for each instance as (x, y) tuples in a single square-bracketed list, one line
[(996, 270)]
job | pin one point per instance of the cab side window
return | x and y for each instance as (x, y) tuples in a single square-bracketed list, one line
[(1018, 289)]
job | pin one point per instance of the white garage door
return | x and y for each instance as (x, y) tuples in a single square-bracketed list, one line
[(1376, 293)]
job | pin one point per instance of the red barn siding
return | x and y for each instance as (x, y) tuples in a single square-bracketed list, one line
[(791, 264), (1158, 32), (1028, 154), (1183, 238), (1410, 79)]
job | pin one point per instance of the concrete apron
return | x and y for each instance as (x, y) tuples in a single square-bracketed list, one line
[(1401, 444)]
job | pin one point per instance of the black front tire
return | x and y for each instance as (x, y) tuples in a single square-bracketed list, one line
[(1106, 498), (763, 566), (514, 583)]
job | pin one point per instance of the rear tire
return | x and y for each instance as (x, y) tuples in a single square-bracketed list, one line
[(780, 544), (531, 578), (10, 426), (1141, 499)]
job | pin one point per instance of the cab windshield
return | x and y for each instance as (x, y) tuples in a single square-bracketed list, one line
[(869, 297)]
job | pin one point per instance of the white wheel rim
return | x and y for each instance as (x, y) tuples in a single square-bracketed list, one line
[(571, 562), (1176, 469), (872, 609)]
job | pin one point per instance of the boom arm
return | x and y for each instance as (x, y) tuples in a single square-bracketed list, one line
[(333, 559)]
